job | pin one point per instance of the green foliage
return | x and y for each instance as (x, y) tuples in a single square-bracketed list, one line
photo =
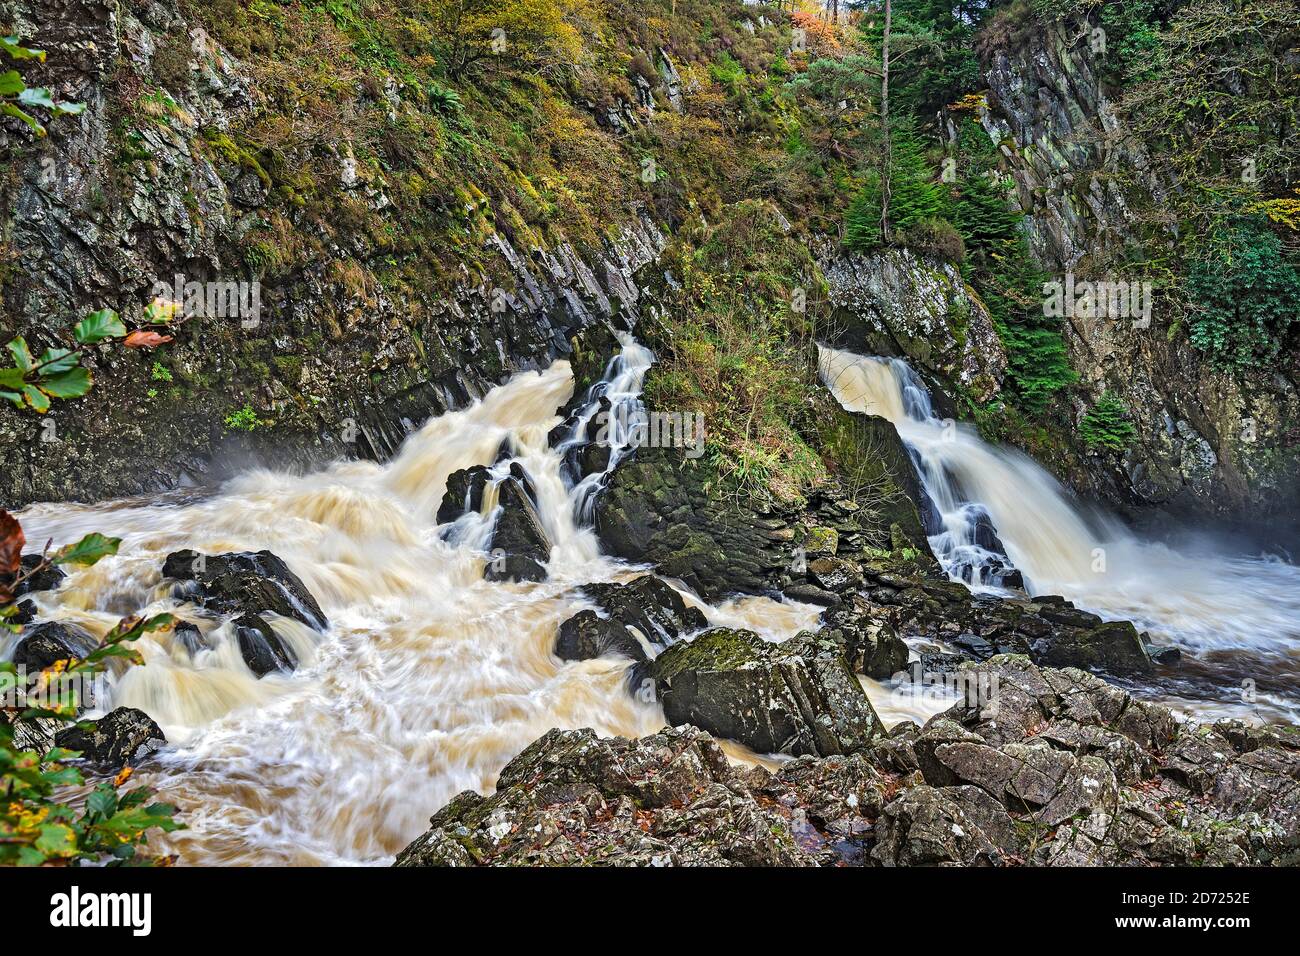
[(1106, 424), (981, 213), (97, 327), (862, 219), (932, 60), (1002, 271), (1244, 296), (1220, 111), (56, 373), (735, 345), (727, 71), (244, 420), (1038, 364), (36, 825), (444, 100), (914, 195), (21, 101), (1132, 39)]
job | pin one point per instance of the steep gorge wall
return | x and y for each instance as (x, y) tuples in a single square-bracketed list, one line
[(1208, 442), (346, 353)]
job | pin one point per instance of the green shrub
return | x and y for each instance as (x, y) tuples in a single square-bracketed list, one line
[(1107, 425), (862, 219), (982, 215), (244, 420), (1244, 297)]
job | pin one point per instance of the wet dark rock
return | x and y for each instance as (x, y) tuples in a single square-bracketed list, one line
[(464, 493), (47, 579), (835, 574), (983, 533), (799, 697), (122, 737), (262, 649), (25, 613), (519, 544), (592, 456), (190, 637), (647, 607), (1166, 654), (593, 459), (244, 582), (45, 643), (587, 635), (1113, 647), (812, 594), (1047, 628), (36, 734)]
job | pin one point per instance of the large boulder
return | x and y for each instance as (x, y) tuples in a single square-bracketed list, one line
[(671, 799), (121, 737), (45, 643), (241, 582), (937, 826), (659, 507), (519, 544), (871, 643), (795, 698), (645, 612)]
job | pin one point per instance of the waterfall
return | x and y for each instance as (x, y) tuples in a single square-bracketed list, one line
[(1237, 616), (429, 678)]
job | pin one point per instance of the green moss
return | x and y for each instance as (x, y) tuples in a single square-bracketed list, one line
[(722, 648), (234, 154)]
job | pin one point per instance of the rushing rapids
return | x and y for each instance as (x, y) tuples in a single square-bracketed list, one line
[(1236, 618), (429, 678)]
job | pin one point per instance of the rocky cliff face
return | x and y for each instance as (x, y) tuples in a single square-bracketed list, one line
[(897, 303), (1207, 441), (340, 355)]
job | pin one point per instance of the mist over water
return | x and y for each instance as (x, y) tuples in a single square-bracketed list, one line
[(1235, 617), (429, 678)]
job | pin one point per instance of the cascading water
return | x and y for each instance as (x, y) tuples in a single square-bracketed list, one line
[(1237, 618), (429, 679)]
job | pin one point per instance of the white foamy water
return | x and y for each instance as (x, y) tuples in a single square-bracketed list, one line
[(429, 678), (1237, 617)]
